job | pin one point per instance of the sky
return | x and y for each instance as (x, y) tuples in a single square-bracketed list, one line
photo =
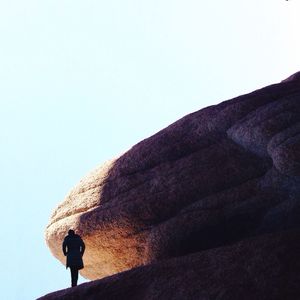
[(83, 81)]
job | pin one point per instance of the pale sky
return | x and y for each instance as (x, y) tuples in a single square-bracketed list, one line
[(82, 81)]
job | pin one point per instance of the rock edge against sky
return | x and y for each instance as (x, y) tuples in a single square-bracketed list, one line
[(216, 192)]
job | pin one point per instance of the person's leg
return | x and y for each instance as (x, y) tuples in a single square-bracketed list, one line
[(74, 276)]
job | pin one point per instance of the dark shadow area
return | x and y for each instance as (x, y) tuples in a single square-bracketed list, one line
[(226, 232)]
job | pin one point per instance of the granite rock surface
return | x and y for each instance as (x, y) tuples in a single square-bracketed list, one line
[(214, 180), (264, 268)]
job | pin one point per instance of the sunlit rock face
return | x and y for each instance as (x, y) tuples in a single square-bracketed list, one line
[(261, 268), (214, 178)]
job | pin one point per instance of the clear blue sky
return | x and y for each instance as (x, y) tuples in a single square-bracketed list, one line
[(82, 81)]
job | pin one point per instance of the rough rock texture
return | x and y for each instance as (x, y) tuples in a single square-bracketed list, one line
[(216, 177), (264, 268)]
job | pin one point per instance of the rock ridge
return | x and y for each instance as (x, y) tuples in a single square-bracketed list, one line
[(217, 178)]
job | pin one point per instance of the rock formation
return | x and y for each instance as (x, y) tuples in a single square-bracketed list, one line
[(209, 206)]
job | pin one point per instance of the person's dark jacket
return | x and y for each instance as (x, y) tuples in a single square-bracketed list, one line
[(73, 248)]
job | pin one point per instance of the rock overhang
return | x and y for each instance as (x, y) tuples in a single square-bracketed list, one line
[(188, 187)]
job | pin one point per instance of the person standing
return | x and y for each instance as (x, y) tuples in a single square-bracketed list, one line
[(73, 248)]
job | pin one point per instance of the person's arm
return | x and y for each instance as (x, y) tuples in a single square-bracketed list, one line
[(82, 247), (64, 247)]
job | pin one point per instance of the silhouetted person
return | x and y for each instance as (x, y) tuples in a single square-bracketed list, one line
[(73, 247)]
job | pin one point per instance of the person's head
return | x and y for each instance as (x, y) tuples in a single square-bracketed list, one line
[(71, 232)]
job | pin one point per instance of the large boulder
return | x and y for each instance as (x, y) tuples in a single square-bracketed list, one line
[(218, 176), (264, 268)]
